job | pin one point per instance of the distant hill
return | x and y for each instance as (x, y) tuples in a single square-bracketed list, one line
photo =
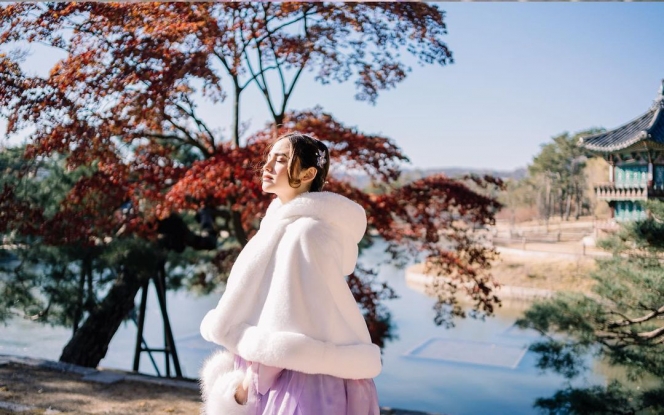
[(516, 174), (361, 180)]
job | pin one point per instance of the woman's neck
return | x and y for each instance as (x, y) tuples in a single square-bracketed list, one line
[(287, 198)]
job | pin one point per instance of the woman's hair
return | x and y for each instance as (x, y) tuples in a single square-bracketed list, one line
[(306, 151)]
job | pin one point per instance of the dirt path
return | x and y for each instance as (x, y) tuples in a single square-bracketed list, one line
[(68, 393), (30, 388)]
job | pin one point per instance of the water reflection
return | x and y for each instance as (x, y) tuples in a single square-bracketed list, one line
[(459, 388), (419, 384)]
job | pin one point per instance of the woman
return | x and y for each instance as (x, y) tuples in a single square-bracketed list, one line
[(296, 342)]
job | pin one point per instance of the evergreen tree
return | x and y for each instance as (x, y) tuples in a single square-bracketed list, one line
[(61, 283), (557, 176), (621, 322)]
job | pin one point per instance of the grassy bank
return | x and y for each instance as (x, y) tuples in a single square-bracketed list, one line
[(548, 273), (542, 272)]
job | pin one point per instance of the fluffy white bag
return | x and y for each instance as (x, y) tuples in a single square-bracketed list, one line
[(219, 381)]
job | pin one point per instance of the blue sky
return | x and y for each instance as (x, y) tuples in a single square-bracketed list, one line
[(523, 72)]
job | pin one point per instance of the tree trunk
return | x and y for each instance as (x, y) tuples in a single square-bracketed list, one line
[(236, 115), (237, 227), (549, 201), (278, 123), (568, 207), (561, 203), (578, 202), (90, 342), (79, 300)]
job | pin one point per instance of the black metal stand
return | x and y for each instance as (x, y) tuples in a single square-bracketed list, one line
[(169, 343)]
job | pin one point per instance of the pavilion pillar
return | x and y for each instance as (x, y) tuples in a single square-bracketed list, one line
[(611, 172)]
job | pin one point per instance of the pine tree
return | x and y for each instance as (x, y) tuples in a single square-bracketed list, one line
[(557, 176), (621, 322)]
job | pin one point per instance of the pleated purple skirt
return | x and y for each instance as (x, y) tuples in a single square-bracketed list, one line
[(287, 392)]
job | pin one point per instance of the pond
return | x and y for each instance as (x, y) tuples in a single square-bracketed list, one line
[(477, 367)]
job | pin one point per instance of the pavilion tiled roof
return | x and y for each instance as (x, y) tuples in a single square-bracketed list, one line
[(647, 127)]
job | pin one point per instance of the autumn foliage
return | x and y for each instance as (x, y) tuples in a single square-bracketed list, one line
[(123, 106)]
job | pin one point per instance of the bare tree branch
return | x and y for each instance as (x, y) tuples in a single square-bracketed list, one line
[(202, 127)]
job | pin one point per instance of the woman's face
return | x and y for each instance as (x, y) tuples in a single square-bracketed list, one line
[(275, 172)]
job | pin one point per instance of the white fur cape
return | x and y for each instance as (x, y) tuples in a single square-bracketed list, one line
[(287, 303)]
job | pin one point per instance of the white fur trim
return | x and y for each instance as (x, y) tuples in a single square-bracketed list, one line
[(219, 386), (221, 400), (214, 366), (333, 208), (304, 354)]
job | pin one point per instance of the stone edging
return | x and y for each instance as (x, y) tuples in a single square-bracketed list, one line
[(15, 407), (100, 375)]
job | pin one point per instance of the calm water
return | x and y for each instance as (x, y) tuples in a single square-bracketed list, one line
[(405, 382)]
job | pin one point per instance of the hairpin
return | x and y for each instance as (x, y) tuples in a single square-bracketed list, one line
[(321, 159)]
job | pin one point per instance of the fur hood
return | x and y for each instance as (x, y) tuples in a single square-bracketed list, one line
[(287, 303), (343, 216)]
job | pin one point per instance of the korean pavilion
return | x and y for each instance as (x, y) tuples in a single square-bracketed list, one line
[(635, 153)]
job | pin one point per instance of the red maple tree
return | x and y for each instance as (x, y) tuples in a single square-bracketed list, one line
[(123, 103)]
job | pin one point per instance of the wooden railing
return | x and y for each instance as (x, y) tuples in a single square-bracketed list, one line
[(611, 191)]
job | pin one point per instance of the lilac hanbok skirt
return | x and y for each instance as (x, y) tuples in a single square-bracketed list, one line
[(288, 392)]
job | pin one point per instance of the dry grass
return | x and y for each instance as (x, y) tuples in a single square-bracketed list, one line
[(553, 273)]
